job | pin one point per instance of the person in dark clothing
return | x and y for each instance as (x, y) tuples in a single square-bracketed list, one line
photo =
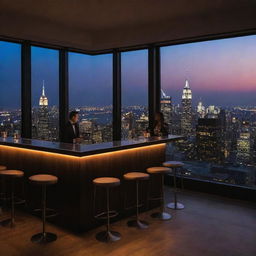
[(72, 134), (160, 128)]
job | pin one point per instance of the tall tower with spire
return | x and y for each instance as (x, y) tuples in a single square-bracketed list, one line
[(43, 116), (186, 115), (43, 101)]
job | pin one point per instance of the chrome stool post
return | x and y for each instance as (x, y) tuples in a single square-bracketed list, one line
[(12, 174), (174, 165), (43, 180), (137, 177), (107, 235), (162, 215)]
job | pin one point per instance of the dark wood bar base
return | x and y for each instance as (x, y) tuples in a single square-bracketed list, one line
[(72, 197)]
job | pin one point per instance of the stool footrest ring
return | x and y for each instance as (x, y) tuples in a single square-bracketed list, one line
[(50, 213), (18, 201), (133, 207), (104, 215), (155, 198)]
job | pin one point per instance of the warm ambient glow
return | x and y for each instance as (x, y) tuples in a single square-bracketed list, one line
[(58, 155)]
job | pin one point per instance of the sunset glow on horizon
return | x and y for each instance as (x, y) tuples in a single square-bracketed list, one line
[(221, 72), (216, 68)]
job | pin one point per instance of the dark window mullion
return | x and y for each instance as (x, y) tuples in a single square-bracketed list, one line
[(116, 95), (63, 92), (26, 121)]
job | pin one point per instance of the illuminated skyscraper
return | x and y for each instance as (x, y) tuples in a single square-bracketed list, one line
[(128, 125), (200, 109), (141, 124), (244, 144), (208, 140), (43, 117), (166, 108), (186, 104), (212, 112)]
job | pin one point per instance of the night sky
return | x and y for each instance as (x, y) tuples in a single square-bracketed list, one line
[(220, 72)]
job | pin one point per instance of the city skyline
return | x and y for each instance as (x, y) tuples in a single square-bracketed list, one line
[(221, 72)]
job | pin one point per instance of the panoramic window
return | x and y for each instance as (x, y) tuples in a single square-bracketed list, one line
[(209, 95), (90, 93), (10, 89), (134, 73), (45, 93)]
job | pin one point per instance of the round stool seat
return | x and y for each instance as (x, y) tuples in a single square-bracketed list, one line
[(136, 176), (156, 170), (12, 173), (107, 182), (2, 167), (43, 179), (173, 164)]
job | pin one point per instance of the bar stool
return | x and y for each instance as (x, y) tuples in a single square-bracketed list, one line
[(174, 165), (137, 176), (162, 215), (12, 175), (107, 235), (43, 180)]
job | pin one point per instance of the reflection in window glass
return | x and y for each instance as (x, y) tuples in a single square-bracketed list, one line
[(45, 93), (134, 93), (10, 88), (208, 94), (90, 92)]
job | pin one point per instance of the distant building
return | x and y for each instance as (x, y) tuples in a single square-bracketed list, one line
[(186, 115), (43, 117), (200, 110), (86, 127), (128, 125), (212, 112), (244, 144), (141, 124), (209, 145), (166, 108)]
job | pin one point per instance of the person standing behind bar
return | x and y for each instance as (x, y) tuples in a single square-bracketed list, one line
[(160, 128), (72, 134)]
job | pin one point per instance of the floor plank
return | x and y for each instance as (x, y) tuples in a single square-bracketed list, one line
[(208, 226)]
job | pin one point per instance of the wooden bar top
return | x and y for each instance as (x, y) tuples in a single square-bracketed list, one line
[(80, 150)]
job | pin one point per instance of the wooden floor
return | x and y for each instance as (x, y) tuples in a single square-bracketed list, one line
[(209, 225)]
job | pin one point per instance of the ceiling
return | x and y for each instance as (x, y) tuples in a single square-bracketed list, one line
[(106, 24)]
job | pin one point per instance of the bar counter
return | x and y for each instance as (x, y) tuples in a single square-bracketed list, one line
[(76, 166), (81, 150)]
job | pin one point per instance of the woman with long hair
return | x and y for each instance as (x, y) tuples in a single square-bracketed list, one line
[(160, 128)]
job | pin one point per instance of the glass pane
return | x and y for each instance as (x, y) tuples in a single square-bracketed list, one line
[(90, 92), (134, 93), (208, 94), (45, 93), (10, 88)]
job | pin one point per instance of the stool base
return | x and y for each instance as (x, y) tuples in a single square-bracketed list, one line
[(43, 238), (108, 236), (50, 213), (140, 224), (8, 223), (161, 215), (179, 206)]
